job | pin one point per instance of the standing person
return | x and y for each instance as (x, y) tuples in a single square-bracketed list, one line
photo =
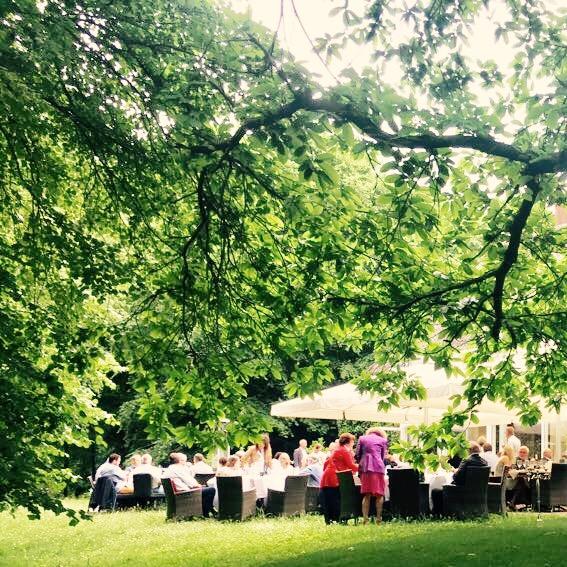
[(258, 457), (300, 455), (370, 454), (341, 459), (511, 439), (266, 451)]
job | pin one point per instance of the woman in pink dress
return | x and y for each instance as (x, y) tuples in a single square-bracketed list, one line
[(370, 452)]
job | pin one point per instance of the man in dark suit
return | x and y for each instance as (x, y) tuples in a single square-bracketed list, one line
[(474, 460)]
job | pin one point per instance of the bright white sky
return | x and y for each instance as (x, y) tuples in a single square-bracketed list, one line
[(315, 17)]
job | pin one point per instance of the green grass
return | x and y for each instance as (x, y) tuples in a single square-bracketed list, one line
[(144, 538)]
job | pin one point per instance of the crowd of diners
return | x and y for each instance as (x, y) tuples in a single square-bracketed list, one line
[(369, 462)]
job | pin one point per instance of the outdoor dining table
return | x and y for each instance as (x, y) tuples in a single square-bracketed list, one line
[(535, 473)]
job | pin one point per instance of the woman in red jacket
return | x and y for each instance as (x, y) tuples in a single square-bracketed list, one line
[(341, 459)]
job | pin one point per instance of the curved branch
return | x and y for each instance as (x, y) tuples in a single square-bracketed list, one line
[(303, 101), (511, 255)]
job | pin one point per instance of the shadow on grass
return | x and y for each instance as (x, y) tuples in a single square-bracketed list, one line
[(498, 542)]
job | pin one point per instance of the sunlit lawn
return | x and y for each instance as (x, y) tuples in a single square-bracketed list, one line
[(144, 538)]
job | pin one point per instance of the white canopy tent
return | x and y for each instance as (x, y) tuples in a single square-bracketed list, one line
[(347, 402)]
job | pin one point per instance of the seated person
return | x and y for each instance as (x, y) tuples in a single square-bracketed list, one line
[(276, 479), (474, 460), (183, 481), (146, 467), (233, 467), (547, 459), (276, 466), (314, 469), (221, 465), (318, 453), (286, 468), (389, 460), (506, 460), (200, 466), (518, 489), (111, 468), (490, 456), (523, 459), (135, 461)]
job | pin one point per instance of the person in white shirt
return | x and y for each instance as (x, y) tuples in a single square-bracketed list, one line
[(276, 479), (511, 439), (146, 467), (135, 462), (111, 468), (489, 456), (233, 467), (200, 466)]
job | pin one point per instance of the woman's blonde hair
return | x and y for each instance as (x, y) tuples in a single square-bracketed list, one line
[(508, 451), (378, 431), (251, 456)]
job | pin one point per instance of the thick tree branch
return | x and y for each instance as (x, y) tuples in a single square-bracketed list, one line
[(547, 164), (429, 141), (511, 255)]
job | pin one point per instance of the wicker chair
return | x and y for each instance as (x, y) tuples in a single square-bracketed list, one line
[(409, 498), (234, 503), (103, 496), (553, 492), (496, 494), (312, 500), (203, 478), (184, 505), (351, 500), (468, 501), (143, 492), (289, 502)]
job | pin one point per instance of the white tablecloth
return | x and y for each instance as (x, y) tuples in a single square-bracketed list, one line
[(437, 481)]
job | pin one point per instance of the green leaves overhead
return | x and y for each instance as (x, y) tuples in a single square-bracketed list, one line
[(183, 202)]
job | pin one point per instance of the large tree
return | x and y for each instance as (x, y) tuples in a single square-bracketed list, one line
[(183, 197)]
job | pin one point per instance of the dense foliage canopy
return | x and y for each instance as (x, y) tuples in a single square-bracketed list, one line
[(184, 203)]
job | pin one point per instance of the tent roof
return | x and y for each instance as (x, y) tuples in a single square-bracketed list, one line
[(347, 402)]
